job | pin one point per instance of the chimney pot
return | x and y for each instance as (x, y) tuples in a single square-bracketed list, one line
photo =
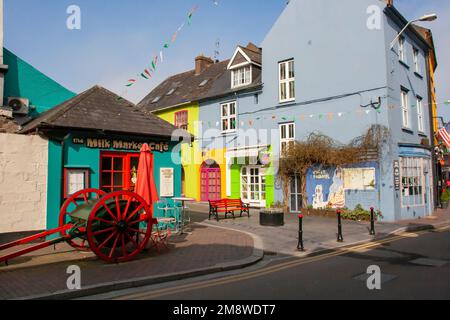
[(202, 63)]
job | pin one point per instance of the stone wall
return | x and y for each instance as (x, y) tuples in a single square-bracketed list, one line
[(23, 183)]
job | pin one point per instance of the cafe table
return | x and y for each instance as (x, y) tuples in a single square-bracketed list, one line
[(183, 201)]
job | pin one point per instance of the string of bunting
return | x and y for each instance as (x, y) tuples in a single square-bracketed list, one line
[(329, 116), (147, 72)]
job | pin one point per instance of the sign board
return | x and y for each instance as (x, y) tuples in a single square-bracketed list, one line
[(94, 143), (397, 175), (167, 182)]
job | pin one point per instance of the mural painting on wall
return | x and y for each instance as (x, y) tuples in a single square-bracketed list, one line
[(330, 186), (336, 194)]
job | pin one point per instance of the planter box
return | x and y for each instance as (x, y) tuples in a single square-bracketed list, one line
[(330, 214), (271, 218), (445, 205)]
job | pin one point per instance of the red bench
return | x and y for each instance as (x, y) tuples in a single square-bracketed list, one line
[(228, 206)]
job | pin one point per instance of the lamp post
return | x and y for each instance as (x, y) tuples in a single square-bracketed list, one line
[(427, 17)]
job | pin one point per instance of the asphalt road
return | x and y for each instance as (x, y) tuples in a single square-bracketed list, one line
[(413, 266)]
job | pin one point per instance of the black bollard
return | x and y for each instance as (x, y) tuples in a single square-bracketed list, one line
[(340, 237), (372, 221), (300, 246)]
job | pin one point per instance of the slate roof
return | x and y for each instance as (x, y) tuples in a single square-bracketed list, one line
[(100, 109), (253, 52), (185, 87)]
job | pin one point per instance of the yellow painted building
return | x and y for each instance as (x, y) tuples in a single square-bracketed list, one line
[(194, 160)]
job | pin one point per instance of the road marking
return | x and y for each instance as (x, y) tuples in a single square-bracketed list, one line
[(270, 270)]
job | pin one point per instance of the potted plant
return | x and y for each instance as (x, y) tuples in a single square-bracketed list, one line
[(273, 216), (445, 199)]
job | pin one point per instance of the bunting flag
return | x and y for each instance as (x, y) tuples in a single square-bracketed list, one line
[(146, 74)]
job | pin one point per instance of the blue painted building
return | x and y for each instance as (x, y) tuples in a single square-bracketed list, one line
[(327, 66)]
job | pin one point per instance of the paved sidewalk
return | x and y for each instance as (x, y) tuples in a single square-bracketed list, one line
[(320, 233), (206, 250)]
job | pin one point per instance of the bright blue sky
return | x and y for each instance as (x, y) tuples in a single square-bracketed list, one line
[(118, 38)]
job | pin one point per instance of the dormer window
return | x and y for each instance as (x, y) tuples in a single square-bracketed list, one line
[(241, 77)]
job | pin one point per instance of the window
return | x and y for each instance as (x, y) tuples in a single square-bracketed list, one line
[(228, 117), (241, 77), (171, 92), (156, 99), (287, 137), (119, 171), (416, 61), (420, 115), (181, 120), (203, 83), (287, 81), (402, 50), (405, 108), (75, 180), (412, 172), (253, 185)]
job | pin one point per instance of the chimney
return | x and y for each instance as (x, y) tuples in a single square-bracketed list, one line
[(202, 63)]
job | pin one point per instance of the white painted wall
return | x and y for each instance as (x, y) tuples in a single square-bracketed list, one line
[(23, 183)]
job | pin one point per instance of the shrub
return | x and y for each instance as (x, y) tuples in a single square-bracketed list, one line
[(359, 214), (445, 197)]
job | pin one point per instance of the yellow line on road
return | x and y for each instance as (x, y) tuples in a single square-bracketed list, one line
[(271, 270)]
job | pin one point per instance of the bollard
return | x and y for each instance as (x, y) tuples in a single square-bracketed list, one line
[(300, 245), (372, 221), (340, 237)]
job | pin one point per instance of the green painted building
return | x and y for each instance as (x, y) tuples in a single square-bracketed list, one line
[(25, 81), (94, 142)]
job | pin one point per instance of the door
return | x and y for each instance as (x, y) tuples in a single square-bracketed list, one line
[(210, 183), (296, 200), (118, 171), (253, 186)]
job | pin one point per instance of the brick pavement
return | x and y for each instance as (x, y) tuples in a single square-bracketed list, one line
[(205, 247)]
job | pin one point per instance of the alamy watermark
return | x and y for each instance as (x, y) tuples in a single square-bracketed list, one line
[(374, 280), (74, 279), (73, 21)]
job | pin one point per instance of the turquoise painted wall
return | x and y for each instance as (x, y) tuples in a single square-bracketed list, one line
[(81, 156), (23, 80)]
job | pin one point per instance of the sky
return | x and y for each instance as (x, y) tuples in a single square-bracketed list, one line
[(118, 39)]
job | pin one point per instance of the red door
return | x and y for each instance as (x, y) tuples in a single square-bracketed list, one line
[(210, 184), (118, 171)]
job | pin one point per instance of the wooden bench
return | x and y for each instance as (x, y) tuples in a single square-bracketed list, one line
[(228, 206)]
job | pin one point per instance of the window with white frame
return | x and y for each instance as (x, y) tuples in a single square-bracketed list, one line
[(253, 185), (402, 50), (412, 172), (228, 116), (405, 108), (287, 137), (420, 115), (416, 56), (287, 81), (241, 77)]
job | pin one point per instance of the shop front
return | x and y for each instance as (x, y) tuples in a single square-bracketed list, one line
[(103, 153), (251, 176)]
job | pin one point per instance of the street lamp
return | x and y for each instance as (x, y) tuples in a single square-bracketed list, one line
[(427, 17)]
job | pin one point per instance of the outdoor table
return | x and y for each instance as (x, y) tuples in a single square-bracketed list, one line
[(183, 215)]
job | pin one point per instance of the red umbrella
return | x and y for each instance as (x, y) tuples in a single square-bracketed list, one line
[(145, 184)]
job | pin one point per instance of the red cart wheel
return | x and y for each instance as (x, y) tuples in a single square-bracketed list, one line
[(119, 227), (75, 201)]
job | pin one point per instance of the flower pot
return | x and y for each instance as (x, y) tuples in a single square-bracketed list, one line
[(445, 205), (271, 218)]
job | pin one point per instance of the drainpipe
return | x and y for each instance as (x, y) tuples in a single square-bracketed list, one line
[(63, 160)]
